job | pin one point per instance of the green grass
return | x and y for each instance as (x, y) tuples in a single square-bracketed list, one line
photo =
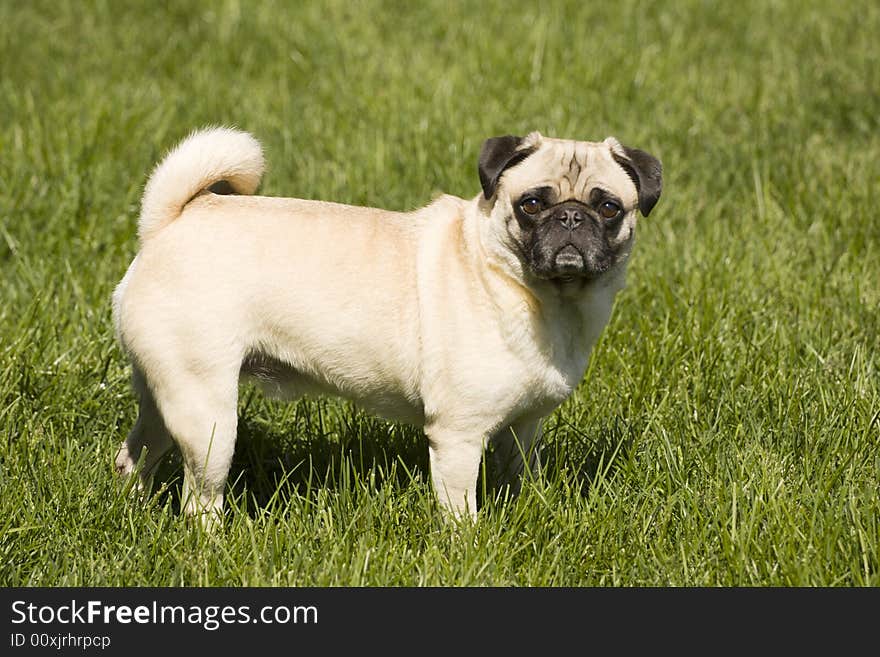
[(728, 431)]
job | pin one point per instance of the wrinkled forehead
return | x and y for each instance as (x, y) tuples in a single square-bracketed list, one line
[(573, 169)]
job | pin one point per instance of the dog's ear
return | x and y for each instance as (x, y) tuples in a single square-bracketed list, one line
[(497, 155), (645, 171)]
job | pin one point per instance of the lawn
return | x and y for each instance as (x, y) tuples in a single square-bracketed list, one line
[(728, 429)]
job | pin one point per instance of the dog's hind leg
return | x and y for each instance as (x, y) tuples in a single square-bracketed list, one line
[(148, 438), (200, 412)]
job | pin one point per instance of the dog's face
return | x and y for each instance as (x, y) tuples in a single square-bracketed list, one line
[(567, 209)]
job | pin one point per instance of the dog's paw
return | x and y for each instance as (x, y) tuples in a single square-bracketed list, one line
[(126, 466), (124, 463)]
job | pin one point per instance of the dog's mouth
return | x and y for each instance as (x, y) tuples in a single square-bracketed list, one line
[(566, 265)]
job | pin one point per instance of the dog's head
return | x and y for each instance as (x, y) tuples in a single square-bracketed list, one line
[(567, 208)]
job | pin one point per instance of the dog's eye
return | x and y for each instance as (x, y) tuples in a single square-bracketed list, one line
[(609, 209), (530, 205)]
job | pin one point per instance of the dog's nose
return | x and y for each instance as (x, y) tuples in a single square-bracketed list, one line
[(571, 218)]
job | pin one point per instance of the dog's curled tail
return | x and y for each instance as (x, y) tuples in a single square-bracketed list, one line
[(205, 157)]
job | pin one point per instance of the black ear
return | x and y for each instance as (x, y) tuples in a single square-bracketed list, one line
[(647, 174), (497, 155)]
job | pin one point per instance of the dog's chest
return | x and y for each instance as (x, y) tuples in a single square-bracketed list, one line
[(519, 369), (554, 349), (551, 369)]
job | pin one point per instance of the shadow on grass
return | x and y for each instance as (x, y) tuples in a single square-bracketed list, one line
[(269, 461), (588, 455), (300, 457)]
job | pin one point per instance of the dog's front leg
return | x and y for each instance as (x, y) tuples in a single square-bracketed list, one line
[(515, 451), (455, 463)]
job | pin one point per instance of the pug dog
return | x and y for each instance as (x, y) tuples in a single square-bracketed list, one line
[(473, 319)]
